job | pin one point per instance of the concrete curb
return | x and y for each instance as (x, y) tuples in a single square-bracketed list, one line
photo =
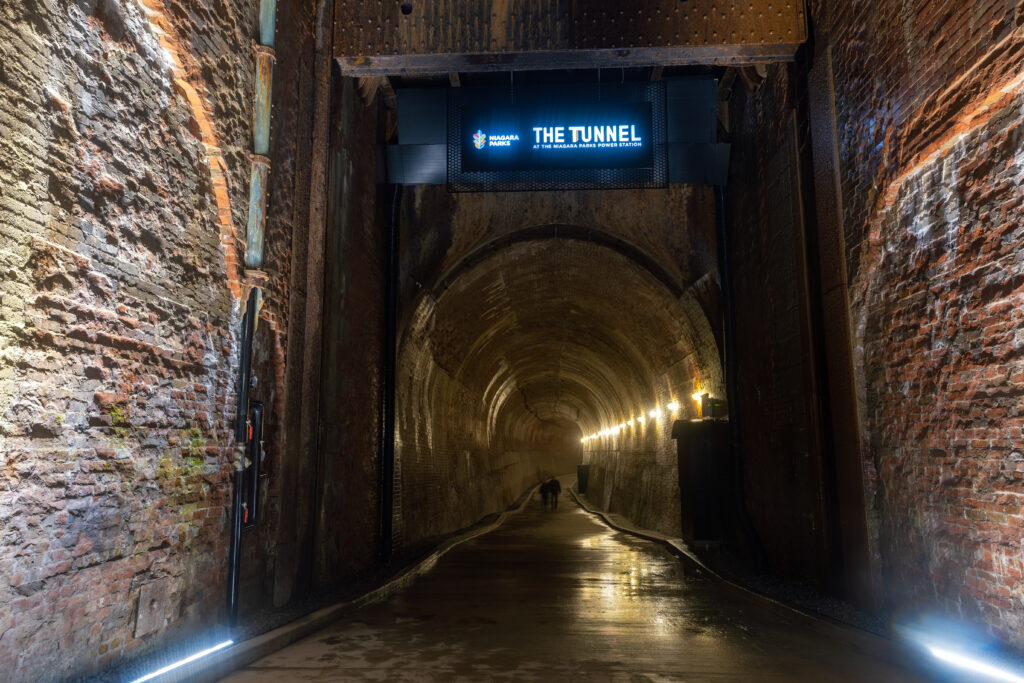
[(677, 546), (239, 655)]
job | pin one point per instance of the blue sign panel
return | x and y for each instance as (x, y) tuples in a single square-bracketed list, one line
[(572, 136), (557, 135)]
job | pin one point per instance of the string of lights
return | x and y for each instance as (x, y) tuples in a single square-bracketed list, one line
[(639, 420)]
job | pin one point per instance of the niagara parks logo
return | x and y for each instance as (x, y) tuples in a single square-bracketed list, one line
[(481, 139)]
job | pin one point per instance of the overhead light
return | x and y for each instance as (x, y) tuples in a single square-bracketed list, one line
[(673, 406)]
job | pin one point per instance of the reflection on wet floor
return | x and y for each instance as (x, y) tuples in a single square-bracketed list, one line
[(558, 595)]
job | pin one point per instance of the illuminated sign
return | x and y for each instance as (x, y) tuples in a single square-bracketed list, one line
[(571, 136), (588, 136), (568, 136)]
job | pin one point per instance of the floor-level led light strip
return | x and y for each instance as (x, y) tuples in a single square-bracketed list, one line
[(183, 662), (963, 662)]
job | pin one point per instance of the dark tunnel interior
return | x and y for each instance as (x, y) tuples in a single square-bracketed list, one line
[(268, 337)]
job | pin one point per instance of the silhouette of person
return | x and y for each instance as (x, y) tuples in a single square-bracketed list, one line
[(554, 488), (545, 493)]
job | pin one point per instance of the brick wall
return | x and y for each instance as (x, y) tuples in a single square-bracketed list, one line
[(930, 149), (938, 308), (929, 152), (123, 176)]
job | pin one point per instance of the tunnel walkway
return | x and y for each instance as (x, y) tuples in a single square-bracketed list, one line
[(557, 595)]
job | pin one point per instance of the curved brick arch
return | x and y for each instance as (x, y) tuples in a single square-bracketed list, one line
[(181, 69), (563, 231)]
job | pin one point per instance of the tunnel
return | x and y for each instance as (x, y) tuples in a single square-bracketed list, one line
[(305, 307)]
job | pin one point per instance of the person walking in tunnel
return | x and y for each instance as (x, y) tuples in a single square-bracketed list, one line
[(545, 494), (554, 488)]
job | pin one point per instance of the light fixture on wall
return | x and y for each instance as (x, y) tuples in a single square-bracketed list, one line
[(183, 662), (638, 421)]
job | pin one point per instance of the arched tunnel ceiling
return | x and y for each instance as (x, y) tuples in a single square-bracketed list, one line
[(562, 332)]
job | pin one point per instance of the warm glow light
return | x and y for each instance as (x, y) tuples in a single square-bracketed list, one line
[(673, 406), (183, 662), (656, 413), (630, 423), (622, 426), (641, 419), (696, 395), (970, 664)]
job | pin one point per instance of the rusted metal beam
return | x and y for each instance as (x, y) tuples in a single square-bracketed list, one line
[(395, 65), (441, 37)]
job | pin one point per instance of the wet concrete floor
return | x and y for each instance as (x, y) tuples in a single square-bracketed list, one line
[(557, 595)]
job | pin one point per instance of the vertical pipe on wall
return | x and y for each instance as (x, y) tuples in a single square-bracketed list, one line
[(257, 212), (268, 16), (265, 60)]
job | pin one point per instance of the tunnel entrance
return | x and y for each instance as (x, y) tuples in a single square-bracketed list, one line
[(534, 330), (568, 325), (516, 356)]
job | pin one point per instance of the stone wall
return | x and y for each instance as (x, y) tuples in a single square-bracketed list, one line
[(123, 176)]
